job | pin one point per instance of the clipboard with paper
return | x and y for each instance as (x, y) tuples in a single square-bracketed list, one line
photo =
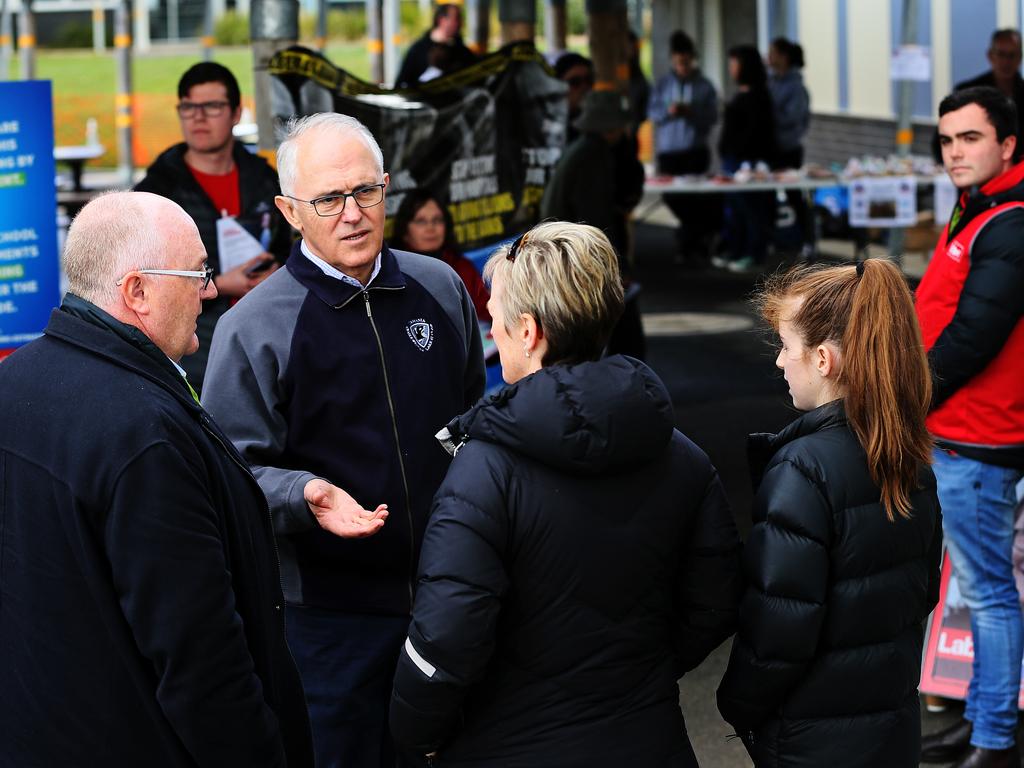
[(235, 246)]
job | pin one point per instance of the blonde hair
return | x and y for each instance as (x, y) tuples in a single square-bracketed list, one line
[(567, 277), (867, 310)]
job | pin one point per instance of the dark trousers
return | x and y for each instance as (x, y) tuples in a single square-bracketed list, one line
[(699, 215), (347, 663)]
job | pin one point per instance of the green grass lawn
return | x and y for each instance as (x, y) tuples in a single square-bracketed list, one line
[(84, 84)]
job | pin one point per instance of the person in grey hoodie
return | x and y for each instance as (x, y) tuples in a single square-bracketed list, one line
[(792, 108), (684, 108), (790, 100)]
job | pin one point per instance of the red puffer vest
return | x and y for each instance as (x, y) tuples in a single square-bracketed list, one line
[(989, 409)]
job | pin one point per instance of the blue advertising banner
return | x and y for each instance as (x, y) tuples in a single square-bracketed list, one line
[(29, 269)]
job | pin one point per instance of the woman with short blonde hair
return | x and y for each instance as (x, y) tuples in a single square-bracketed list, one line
[(580, 554)]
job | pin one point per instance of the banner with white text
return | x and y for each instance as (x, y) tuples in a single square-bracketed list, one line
[(484, 139), (29, 270)]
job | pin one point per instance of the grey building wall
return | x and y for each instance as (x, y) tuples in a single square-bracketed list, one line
[(837, 138)]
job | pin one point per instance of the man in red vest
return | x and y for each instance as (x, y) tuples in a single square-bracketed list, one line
[(970, 304)]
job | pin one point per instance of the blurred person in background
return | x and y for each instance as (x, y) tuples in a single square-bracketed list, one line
[(1004, 56), (554, 613), (424, 225), (792, 113), (842, 562), (445, 31), (577, 72), (211, 176), (684, 108), (587, 187), (747, 139)]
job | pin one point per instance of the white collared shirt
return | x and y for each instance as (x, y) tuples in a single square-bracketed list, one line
[(336, 273)]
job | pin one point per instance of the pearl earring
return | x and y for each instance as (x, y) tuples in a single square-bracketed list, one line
[(526, 350)]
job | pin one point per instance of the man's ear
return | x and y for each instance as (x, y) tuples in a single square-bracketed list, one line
[(133, 294), (1009, 146), (284, 205)]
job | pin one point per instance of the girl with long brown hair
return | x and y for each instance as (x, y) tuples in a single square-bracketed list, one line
[(842, 560)]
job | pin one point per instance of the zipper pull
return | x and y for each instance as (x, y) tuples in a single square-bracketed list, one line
[(366, 298)]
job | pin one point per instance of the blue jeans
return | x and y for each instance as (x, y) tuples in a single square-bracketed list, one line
[(978, 502)]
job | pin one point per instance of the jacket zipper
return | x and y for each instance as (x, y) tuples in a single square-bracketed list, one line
[(398, 445)]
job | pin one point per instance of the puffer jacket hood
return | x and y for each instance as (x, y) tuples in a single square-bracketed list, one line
[(584, 419)]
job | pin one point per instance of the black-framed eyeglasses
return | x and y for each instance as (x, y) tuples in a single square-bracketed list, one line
[(334, 205), (206, 274), (208, 108)]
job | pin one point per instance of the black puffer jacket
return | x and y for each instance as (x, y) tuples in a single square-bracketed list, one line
[(580, 557), (826, 662)]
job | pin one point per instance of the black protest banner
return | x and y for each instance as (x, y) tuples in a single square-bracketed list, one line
[(483, 139)]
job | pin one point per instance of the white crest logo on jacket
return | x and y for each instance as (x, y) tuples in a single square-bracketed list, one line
[(421, 333)]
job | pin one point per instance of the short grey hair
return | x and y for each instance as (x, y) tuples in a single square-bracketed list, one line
[(112, 235), (297, 127)]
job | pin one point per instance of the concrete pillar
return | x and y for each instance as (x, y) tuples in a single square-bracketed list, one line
[(99, 28), (123, 96), (518, 20), (5, 40), (555, 25), (375, 40), (208, 38), (273, 25), (478, 25), (392, 39), (27, 41), (141, 40), (609, 45), (321, 26), (173, 15)]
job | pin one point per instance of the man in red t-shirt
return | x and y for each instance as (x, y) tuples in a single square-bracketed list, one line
[(212, 176)]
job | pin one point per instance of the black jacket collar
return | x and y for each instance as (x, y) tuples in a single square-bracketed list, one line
[(761, 446), (84, 325), (337, 293)]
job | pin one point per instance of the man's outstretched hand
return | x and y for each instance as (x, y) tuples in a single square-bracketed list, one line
[(340, 514)]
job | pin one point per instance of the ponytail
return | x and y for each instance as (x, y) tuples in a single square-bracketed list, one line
[(887, 383), (867, 310)]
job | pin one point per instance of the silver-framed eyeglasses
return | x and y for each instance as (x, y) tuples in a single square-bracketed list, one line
[(334, 205), (205, 274), (208, 108)]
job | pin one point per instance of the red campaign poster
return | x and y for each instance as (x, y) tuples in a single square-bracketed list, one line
[(948, 647)]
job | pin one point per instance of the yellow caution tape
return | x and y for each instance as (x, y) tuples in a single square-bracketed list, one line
[(26, 41), (122, 41), (122, 101)]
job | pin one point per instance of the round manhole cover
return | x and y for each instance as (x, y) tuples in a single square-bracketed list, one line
[(693, 323)]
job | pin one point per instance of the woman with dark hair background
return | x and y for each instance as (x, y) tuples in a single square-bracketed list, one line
[(424, 225), (748, 136)]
